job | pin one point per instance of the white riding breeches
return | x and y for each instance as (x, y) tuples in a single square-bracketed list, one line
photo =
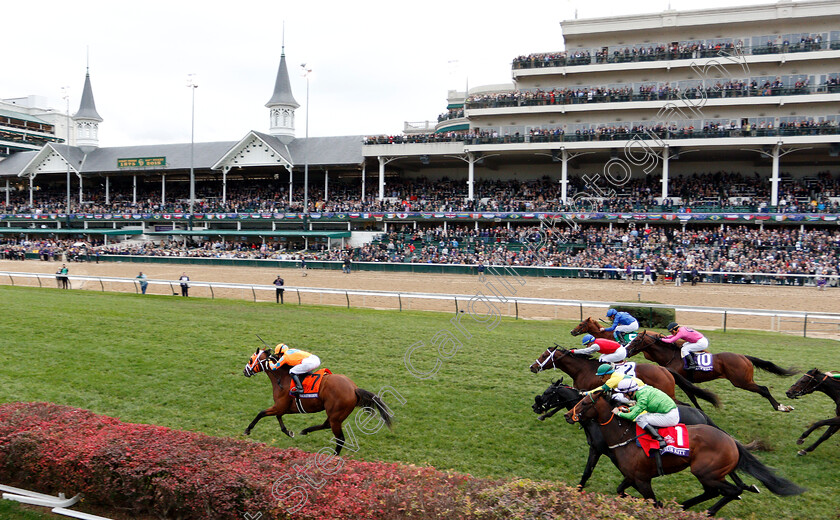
[(307, 365), (660, 420), (687, 347), (620, 354), (627, 328)]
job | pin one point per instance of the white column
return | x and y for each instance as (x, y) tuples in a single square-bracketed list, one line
[(363, 185), (107, 190), (162, 189), (225, 170), (381, 178), (31, 178), (7, 191), (290, 187), (134, 190), (326, 185), (470, 176), (665, 172), (774, 179), (564, 176), (80, 188)]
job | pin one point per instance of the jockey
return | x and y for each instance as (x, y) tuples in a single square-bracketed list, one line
[(302, 363), (611, 351), (611, 376), (653, 408), (622, 322), (694, 342)]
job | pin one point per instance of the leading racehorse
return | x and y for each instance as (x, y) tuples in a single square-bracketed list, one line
[(338, 396), (812, 381), (590, 326), (713, 456), (559, 395), (582, 368), (737, 368)]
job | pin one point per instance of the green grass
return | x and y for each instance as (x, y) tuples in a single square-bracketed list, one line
[(178, 362)]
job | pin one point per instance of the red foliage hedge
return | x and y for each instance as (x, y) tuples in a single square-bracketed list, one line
[(150, 470)]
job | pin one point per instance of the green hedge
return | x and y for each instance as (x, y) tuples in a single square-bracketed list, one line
[(650, 317)]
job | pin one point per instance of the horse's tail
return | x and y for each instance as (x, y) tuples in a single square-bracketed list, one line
[(749, 463), (366, 399), (771, 367), (693, 390)]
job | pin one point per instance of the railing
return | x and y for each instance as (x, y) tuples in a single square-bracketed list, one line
[(580, 96), (597, 56), (513, 306)]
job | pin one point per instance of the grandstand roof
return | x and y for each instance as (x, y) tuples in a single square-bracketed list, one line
[(23, 117)]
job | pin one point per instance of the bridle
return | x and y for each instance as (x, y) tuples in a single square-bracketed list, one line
[(553, 351), (808, 388), (576, 418)]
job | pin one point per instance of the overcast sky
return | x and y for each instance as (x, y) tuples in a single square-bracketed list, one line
[(376, 64)]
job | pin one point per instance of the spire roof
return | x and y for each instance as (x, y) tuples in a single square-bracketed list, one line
[(282, 87), (87, 108)]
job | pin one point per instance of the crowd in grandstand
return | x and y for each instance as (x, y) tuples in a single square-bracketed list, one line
[(697, 192), (672, 51), (599, 251)]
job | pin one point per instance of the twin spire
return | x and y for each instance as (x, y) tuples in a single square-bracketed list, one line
[(87, 119)]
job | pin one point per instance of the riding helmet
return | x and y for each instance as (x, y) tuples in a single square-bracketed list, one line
[(627, 385), (280, 349), (611, 313), (673, 325), (604, 369), (589, 338)]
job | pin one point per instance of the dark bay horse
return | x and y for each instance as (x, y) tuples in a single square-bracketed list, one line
[(737, 368), (558, 396), (338, 396), (713, 456), (582, 368), (813, 381), (590, 326)]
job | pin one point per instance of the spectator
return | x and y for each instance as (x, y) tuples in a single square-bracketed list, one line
[(303, 265), (346, 266), (279, 290), (144, 283), (648, 275), (185, 285)]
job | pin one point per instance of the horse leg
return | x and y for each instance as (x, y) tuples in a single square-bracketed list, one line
[(283, 427), (708, 493), (742, 485), (833, 426), (323, 426), (729, 493), (626, 483), (645, 488), (594, 455), (764, 392), (255, 421)]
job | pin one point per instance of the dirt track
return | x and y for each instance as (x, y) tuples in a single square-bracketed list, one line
[(711, 295)]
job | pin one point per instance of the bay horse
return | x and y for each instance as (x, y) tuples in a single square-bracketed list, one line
[(582, 369), (590, 326), (737, 368), (338, 396), (558, 396), (812, 381), (713, 456)]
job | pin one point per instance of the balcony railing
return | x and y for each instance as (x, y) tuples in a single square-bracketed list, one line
[(660, 53)]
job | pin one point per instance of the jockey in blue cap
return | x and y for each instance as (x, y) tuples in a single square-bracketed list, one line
[(611, 351), (622, 322)]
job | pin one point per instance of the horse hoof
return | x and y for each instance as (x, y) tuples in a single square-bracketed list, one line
[(801, 453), (800, 441), (784, 408), (247, 432), (291, 434)]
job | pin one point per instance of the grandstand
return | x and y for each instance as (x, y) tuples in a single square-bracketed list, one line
[(675, 122)]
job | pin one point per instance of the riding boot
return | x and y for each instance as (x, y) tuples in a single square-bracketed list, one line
[(298, 384), (655, 434), (657, 456), (690, 364)]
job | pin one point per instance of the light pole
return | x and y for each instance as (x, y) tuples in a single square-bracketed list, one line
[(192, 85), (65, 94), (306, 73)]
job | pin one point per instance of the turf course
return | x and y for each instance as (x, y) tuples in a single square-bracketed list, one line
[(178, 362)]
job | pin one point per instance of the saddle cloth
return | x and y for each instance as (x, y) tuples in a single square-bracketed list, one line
[(311, 383), (704, 361), (675, 436)]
